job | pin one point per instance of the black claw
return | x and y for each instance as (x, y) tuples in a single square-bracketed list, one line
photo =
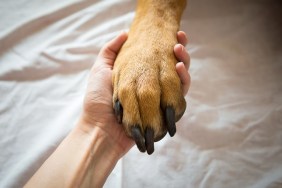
[(170, 120), (149, 140), (118, 111), (139, 139)]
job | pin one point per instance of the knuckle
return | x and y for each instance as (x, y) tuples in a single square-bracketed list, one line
[(149, 94), (171, 79)]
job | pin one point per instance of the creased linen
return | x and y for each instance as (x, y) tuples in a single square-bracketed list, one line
[(231, 132)]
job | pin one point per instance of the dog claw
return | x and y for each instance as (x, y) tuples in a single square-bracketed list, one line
[(139, 139), (149, 140), (118, 111), (170, 120)]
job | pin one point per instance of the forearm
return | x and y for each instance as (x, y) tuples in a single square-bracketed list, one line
[(84, 159)]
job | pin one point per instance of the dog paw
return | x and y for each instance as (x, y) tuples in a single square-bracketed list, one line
[(147, 96)]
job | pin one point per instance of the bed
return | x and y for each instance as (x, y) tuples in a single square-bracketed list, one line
[(231, 133)]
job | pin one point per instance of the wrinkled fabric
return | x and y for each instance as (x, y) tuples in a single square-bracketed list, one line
[(231, 132)]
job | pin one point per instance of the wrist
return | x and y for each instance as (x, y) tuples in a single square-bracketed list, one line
[(98, 137), (110, 131), (102, 155)]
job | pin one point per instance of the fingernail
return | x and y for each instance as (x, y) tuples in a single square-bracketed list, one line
[(181, 63)]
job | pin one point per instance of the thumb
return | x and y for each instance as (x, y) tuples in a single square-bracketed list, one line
[(110, 50)]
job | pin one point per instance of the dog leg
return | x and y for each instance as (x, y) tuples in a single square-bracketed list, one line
[(147, 96)]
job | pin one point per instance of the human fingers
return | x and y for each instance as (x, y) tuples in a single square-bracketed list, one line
[(184, 77), (182, 38), (110, 50), (182, 55)]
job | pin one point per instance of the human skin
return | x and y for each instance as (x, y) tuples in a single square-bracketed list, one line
[(88, 154)]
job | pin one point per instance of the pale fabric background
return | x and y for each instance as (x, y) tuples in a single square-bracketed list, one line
[(231, 133)]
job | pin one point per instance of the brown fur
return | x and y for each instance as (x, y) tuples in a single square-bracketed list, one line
[(145, 80)]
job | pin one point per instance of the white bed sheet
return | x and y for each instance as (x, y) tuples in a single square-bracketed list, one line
[(231, 132)]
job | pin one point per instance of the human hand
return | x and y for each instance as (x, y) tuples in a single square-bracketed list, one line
[(98, 109)]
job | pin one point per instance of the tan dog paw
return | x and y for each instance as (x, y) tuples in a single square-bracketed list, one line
[(147, 97)]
